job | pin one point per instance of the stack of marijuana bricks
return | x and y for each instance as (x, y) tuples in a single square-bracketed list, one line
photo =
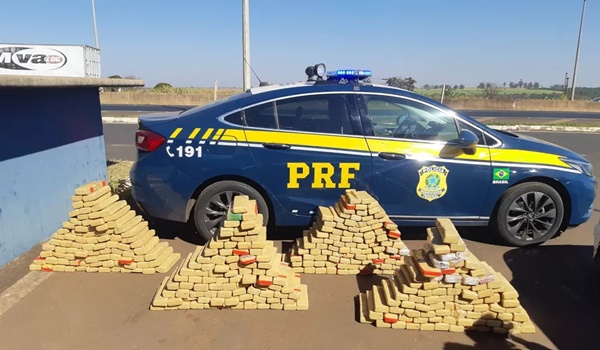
[(445, 287), (104, 234), (238, 268), (355, 236)]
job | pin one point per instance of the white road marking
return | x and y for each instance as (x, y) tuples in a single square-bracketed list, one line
[(19, 290)]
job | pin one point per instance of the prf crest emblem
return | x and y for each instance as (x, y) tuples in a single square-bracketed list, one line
[(432, 182)]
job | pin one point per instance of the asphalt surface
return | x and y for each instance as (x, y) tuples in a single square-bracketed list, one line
[(139, 109), (120, 141), (556, 282)]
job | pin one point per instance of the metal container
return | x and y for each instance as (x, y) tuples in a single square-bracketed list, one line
[(50, 60)]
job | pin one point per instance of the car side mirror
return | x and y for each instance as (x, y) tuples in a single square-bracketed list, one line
[(467, 141)]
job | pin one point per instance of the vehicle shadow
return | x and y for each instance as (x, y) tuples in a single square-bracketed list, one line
[(481, 235), (559, 288), (471, 233), (493, 341)]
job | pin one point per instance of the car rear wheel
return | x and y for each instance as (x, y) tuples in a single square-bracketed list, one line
[(529, 214), (212, 205)]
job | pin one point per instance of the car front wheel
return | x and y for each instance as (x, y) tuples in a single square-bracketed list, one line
[(528, 214), (214, 202)]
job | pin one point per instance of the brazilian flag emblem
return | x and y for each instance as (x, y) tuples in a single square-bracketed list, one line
[(501, 175)]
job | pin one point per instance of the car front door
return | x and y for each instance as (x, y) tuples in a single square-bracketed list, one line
[(309, 148), (419, 173)]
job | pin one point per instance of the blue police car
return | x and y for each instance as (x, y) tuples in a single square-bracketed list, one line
[(299, 146)]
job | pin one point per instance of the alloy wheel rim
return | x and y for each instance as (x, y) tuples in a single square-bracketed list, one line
[(215, 210), (531, 216)]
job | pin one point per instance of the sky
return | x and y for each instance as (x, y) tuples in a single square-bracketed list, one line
[(194, 43)]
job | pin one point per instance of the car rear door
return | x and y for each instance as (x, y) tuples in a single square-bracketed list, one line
[(310, 148), (418, 173)]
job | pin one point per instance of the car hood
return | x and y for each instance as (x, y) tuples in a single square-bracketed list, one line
[(529, 143)]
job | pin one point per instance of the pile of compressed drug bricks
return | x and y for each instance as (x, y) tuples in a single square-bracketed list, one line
[(445, 287), (238, 269), (354, 236), (104, 234)]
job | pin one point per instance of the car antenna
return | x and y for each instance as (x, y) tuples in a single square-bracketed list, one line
[(260, 82)]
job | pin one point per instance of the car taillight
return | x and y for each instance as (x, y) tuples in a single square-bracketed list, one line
[(148, 141)]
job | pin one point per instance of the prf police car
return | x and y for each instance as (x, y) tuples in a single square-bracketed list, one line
[(299, 146)]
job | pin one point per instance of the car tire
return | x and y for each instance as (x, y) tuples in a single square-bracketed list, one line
[(528, 214), (211, 206)]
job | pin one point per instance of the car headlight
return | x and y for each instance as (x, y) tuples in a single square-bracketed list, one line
[(583, 167)]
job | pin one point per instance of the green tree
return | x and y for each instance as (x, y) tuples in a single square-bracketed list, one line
[(536, 85), (491, 90), (115, 77), (462, 86), (481, 86), (403, 83), (450, 91), (162, 87)]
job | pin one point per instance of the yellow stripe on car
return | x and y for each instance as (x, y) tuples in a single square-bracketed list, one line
[(237, 134), (416, 150), (175, 133), (309, 140), (207, 133), (425, 150), (527, 157), (194, 133), (218, 134)]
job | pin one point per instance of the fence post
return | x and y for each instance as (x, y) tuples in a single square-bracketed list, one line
[(443, 92)]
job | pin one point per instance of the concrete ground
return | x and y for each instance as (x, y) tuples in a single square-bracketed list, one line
[(556, 282)]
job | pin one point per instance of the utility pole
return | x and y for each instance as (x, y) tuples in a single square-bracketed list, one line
[(246, 42), (577, 54), (566, 84), (95, 30)]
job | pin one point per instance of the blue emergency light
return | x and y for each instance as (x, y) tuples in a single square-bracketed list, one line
[(349, 74)]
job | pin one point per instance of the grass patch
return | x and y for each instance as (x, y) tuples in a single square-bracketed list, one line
[(503, 94), (118, 176)]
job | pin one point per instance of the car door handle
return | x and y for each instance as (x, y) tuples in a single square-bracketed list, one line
[(276, 146), (391, 156)]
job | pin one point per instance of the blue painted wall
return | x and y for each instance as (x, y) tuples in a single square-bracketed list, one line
[(51, 142)]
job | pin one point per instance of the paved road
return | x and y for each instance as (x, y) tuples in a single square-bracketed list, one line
[(556, 283), (137, 109), (120, 141)]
